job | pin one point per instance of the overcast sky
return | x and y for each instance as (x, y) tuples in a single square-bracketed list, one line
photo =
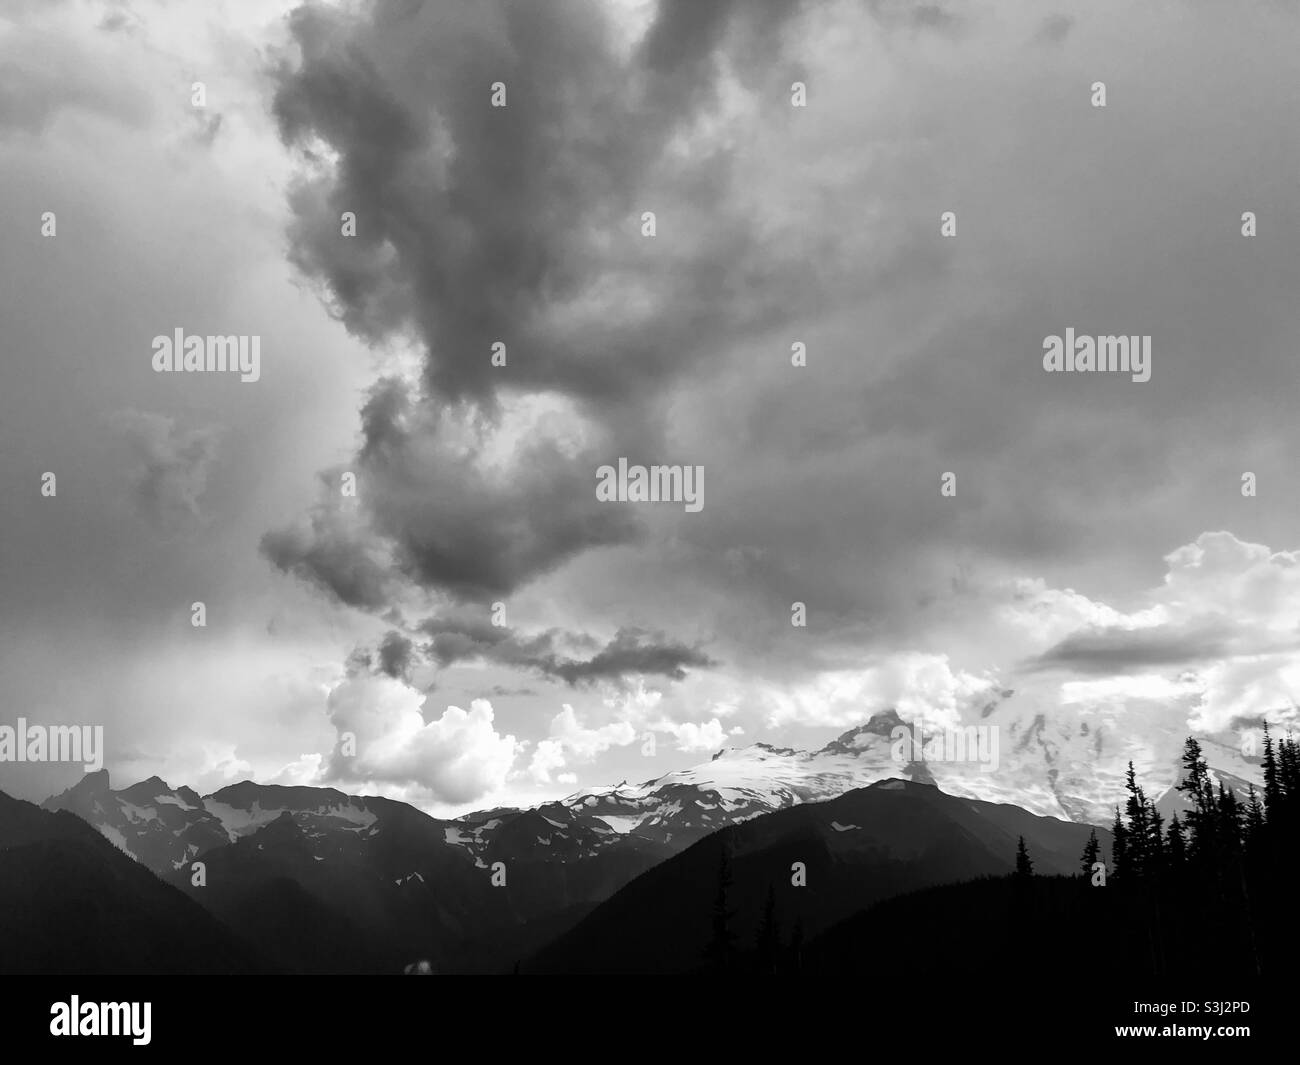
[(1098, 538)]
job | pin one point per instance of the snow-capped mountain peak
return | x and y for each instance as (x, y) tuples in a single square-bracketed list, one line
[(1068, 765)]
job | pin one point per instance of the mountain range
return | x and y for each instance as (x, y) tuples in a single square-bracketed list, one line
[(1070, 767), (391, 883), (315, 880)]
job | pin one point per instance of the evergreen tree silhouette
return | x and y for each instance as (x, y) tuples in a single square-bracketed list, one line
[(1139, 834), (1288, 778), (1216, 866), (1254, 818), (1272, 782), (1155, 840), (1091, 854), (1200, 818), (1119, 849), (1024, 865), (1230, 820), (1175, 846)]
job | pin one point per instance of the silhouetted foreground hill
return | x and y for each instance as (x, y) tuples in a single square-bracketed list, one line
[(70, 902), (874, 843), (1006, 930)]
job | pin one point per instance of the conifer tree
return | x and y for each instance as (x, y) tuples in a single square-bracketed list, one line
[(1155, 851), (1272, 783), (1024, 864), (1139, 834), (1196, 786), (1091, 854), (1175, 846), (1288, 778), (1229, 820), (1119, 849), (1254, 818)]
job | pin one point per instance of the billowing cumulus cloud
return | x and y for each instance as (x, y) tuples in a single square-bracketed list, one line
[(571, 740), (1225, 621), (454, 758), (690, 736), (924, 689)]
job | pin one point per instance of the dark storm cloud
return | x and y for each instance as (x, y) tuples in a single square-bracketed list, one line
[(630, 652), (457, 637), (442, 518), (476, 535), (333, 553), (477, 223), (519, 224), (1114, 651), (395, 654)]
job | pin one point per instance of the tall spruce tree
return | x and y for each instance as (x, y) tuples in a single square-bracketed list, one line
[(1254, 819), (1175, 846), (1230, 819), (1139, 834), (1272, 782), (1024, 864), (1091, 854), (1288, 778), (1196, 786), (1155, 850), (1119, 849)]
